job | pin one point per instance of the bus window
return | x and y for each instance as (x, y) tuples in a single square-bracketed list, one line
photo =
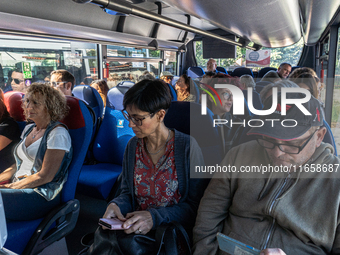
[(24, 60), (128, 63), (335, 124), (290, 54)]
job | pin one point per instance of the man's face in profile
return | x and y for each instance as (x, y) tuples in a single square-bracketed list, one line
[(60, 84), (211, 66), (284, 71), (18, 82)]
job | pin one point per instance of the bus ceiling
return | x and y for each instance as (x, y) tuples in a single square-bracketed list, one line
[(268, 23), (273, 23)]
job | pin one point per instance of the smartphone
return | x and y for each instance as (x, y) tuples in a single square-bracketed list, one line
[(234, 247), (112, 223)]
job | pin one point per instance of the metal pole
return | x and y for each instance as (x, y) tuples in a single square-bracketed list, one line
[(126, 8)]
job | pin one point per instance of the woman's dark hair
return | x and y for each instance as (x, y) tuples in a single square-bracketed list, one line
[(148, 96), (186, 81), (3, 109)]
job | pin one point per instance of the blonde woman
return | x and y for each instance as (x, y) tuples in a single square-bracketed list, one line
[(42, 157)]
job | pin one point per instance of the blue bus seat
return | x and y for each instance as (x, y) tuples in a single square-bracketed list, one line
[(261, 84), (239, 71), (256, 99), (195, 92), (221, 69), (173, 92), (91, 97), (115, 97), (195, 72), (263, 71), (174, 80), (329, 138), (13, 102), (108, 149), (31, 237), (186, 117)]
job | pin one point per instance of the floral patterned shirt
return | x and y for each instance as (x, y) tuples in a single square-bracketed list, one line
[(155, 185)]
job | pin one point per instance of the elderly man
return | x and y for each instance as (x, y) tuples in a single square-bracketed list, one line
[(284, 70), (291, 205), (63, 80), (211, 65)]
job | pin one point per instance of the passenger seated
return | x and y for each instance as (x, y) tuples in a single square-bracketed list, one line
[(182, 87), (222, 110), (281, 212), (156, 186), (62, 80), (42, 157), (146, 75), (166, 76), (9, 136), (102, 88), (284, 70)]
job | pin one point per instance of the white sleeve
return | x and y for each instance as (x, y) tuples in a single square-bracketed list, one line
[(25, 130), (59, 139)]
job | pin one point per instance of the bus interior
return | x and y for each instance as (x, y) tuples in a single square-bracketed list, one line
[(118, 40)]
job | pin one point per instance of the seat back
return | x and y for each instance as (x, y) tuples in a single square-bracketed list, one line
[(186, 117), (173, 93), (264, 70), (195, 72), (113, 134), (195, 91), (256, 99), (13, 102), (174, 80), (329, 138), (91, 97), (221, 69), (79, 123), (115, 98), (261, 84), (239, 71)]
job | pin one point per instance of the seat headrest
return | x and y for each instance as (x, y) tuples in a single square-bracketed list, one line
[(75, 118), (88, 94), (115, 98), (13, 102)]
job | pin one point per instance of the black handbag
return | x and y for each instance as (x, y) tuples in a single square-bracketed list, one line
[(169, 239)]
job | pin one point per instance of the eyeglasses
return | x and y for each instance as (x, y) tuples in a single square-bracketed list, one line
[(227, 96), (138, 121), (17, 81), (287, 148), (56, 83)]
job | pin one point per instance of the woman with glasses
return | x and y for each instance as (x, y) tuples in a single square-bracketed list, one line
[(9, 136), (42, 157), (156, 187), (183, 89)]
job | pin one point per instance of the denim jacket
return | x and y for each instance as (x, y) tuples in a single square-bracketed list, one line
[(49, 190)]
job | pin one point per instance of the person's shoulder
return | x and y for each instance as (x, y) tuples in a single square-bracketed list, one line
[(184, 138)]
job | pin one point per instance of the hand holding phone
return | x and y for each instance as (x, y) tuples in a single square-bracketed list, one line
[(111, 223)]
